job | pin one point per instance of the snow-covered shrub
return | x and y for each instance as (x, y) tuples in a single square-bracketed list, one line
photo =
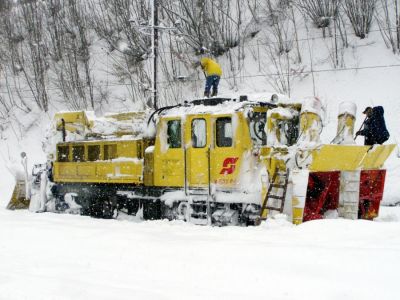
[(216, 25), (388, 21), (321, 12), (360, 14)]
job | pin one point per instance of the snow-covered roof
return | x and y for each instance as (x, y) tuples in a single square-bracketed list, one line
[(214, 106)]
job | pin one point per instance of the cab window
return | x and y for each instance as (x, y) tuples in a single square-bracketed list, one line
[(110, 151), (174, 134), (63, 153), (199, 133), (78, 153), (224, 132), (93, 152)]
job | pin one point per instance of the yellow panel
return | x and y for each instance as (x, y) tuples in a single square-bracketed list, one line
[(348, 157), (127, 116), (226, 162), (86, 169), (103, 169), (74, 120), (67, 169), (127, 149), (99, 172), (149, 169), (71, 116), (377, 156), (168, 162), (197, 158), (172, 169)]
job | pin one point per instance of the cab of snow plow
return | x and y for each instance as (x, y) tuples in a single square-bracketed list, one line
[(203, 145)]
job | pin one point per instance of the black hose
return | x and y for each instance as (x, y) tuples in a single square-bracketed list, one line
[(161, 110)]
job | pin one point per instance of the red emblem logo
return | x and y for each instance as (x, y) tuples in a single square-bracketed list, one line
[(229, 165)]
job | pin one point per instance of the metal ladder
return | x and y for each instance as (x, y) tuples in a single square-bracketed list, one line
[(276, 191), (199, 207)]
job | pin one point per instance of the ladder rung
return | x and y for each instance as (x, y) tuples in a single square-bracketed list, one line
[(275, 197), (199, 216), (281, 174), (276, 185), (273, 208)]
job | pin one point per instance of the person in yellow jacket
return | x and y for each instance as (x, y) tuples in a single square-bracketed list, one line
[(213, 74)]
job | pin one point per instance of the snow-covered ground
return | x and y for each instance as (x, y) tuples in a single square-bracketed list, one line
[(50, 256)]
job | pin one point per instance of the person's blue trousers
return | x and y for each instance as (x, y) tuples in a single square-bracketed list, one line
[(211, 82)]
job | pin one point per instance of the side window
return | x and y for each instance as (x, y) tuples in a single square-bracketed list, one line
[(174, 134), (199, 133), (110, 152), (78, 153), (93, 152), (62, 153), (224, 132)]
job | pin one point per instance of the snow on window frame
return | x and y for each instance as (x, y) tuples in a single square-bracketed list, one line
[(222, 141), (203, 136)]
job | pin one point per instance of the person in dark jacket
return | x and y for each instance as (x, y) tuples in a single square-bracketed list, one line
[(374, 130)]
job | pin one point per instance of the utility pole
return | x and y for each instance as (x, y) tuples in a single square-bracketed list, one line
[(154, 30), (154, 48)]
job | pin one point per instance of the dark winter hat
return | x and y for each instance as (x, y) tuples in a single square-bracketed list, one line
[(367, 109)]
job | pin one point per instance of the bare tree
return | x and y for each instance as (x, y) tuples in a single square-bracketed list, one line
[(360, 14), (321, 12), (69, 50), (389, 24), (119, 23), (282, 63), (211, 24), (35, 54), (22, 29)]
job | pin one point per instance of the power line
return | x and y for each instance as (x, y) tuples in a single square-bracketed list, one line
[(300, 72), (243, 76)]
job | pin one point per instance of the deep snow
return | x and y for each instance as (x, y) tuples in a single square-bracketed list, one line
[(51, 256)]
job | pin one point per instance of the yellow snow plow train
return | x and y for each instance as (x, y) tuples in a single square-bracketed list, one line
[(217, 161)]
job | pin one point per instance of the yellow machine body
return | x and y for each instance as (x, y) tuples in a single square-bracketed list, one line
[(118, 161), (211, 162), (214, 155)]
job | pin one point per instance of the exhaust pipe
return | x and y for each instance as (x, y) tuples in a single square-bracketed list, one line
[(346, 121)]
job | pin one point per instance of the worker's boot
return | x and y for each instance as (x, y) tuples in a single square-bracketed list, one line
[(207, 94), (214, 93)]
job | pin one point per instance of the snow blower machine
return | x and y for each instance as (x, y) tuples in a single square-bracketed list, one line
[(217, 161)]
